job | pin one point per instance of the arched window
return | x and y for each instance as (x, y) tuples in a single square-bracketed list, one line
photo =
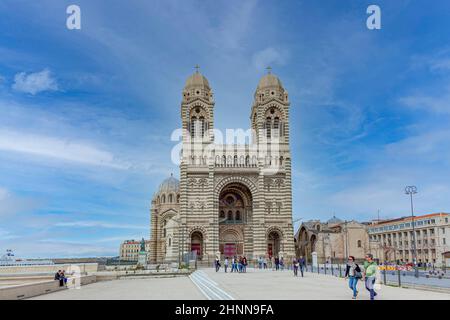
[(230, 216), (235, 160), (247, 160), (222, 214), (170, 242), (202, 126), (238, 216), (268, 127), (170, 198), (163, 198), (192, 126), (276, 127)]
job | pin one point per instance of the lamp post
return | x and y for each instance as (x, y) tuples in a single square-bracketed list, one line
[(412, 190)]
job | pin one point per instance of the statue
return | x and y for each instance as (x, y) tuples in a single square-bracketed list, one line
[(142, 245)]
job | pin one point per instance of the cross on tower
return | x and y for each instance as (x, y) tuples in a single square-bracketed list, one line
[(269, 69), (196, 68)]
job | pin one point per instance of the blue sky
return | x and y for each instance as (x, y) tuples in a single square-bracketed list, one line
[(86, 115)]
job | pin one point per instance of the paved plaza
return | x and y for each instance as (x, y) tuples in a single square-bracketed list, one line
[(255, 284)]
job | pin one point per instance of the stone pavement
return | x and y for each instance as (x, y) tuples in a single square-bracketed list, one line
[(174, 288), (277, 285), (255, 284)]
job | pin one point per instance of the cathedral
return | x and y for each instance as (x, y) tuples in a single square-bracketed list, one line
[(232, 199)]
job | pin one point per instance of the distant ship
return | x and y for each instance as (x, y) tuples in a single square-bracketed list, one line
[(8, 259)]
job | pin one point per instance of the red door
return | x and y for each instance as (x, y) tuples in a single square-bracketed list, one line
[(196, 247), (229, 249), (270, 250)]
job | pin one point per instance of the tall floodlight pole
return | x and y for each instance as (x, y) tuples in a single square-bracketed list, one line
[(412, 190)]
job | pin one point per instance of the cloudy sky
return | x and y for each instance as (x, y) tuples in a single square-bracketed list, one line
[(86, 115)]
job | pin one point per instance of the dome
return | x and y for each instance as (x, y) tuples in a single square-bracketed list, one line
[(269, 81), (334, 220), (169, 185), (197, 80)]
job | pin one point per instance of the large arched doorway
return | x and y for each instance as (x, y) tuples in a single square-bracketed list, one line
[(273, 244), (197, 243), (235, 210), (303, 243)]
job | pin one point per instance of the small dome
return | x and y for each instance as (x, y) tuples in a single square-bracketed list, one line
[(334, 220), (197, 80), (169, 185), (269, 81)]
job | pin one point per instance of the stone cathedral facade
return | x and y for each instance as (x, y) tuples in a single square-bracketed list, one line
[(232, 199)]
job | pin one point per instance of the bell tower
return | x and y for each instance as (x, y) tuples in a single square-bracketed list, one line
[(197, 110), (270, 111)]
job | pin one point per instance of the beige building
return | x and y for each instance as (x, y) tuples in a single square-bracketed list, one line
[(233, 198), (129, 249), (333, 241), (395, 239)]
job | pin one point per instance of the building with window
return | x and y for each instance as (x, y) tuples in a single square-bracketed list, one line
[(395, 238), (232, 198), (129, 249), (333, 241)]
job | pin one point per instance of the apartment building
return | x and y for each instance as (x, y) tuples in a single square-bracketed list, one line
[(394, 239)]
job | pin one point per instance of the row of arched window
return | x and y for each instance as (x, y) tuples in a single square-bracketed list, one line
[(230, 216), (197, 127), (273, 127), (235, 161), (170, 198)]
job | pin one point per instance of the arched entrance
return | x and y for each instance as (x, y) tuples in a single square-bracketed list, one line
[(197, 243), (313, 242), (273, 244), (235, 210)]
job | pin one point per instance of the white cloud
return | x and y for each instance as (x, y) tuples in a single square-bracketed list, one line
[(99, 224), (11, 204), (438, 104), (268, 57), (57, 148), (3, 194), (34, 83)]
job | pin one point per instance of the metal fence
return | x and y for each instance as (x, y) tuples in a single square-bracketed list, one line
[(394, 275)]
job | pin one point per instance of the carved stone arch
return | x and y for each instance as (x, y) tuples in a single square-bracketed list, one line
[(276, 229), (234, 179), (277, 107), (200, 229), (203, 111), (168, 214)]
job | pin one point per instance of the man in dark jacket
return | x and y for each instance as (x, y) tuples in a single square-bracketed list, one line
[(301, 264)]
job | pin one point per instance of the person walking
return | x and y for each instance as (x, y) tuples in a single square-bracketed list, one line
[(353, 274), (240, 264), (301, 264), (217, 263), (295, 265), (244, 264), (370, 270), (225, 264), (277, 264)]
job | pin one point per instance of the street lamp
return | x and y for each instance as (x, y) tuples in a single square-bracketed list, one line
[(411, 190)]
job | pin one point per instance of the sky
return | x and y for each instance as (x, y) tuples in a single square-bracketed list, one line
[(86, 115)]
